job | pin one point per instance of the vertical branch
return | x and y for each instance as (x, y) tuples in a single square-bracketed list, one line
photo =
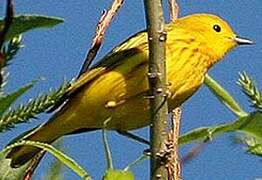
[(157, 83), (101, 28), (173, 9), (173, 165), (4, 30), (8, 21)]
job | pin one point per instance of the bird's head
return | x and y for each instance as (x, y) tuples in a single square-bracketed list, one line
[(213, 31)]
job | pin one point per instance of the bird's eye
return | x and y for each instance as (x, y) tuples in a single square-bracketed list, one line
[(217, 28)]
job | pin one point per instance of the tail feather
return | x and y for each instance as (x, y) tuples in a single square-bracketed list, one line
[(58, 125), (22, 154)]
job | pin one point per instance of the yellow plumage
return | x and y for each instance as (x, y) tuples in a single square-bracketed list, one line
[(116, 88)]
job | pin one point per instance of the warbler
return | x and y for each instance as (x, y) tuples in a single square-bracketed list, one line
[(116, 87)]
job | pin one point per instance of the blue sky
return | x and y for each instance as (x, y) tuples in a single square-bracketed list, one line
[(59, 52)]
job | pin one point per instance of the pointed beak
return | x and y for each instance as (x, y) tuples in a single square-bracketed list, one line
[(243, 41)]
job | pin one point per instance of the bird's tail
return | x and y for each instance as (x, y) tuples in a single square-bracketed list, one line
[(47, 133)]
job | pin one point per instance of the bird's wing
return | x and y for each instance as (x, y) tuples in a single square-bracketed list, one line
[(128, 48), (116, 57)]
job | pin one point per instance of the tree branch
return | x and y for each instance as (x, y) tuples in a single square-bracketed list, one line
[(8, 21), (173, 9), (101, 28), (157, 84), (173, 164)]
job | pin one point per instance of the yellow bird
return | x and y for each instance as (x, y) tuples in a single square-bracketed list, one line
[(116, 87)]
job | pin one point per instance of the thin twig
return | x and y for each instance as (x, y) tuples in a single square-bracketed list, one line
[(107, 150), (106, 145), (194, 152), (33, 165), (102, 26), (174, 10), (8, 21), (134, 137), (173, 165)]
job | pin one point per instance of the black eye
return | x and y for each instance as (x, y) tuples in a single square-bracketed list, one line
[(217, 28)]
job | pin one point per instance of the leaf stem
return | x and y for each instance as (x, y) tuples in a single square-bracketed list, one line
[(224, 96)]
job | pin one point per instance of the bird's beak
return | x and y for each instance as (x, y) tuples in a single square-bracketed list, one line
[(243, 41)]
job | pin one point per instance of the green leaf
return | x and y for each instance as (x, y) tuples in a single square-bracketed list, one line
[(69, 162), (118, 175), (55, 170), (6, 101), (251, 90), (24, 113), (23, 23), (10, 49), (8, 173), (250, 124), (255, 150), (224, 96), (254, 145)]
